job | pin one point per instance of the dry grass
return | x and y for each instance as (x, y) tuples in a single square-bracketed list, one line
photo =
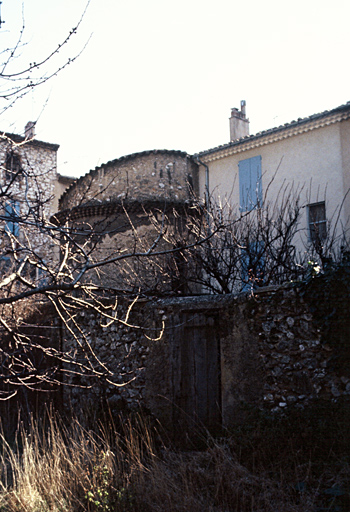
[(52, 471), (55, 468)]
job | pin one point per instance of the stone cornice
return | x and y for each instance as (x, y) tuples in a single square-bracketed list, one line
[(106, 209), (274, 135)]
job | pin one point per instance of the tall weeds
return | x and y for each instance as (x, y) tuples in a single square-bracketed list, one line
[(55, 467)]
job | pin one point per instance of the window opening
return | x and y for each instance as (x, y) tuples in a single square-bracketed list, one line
[(317, 221), (13, 166)]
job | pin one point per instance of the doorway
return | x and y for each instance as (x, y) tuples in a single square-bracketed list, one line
[(198, 397)]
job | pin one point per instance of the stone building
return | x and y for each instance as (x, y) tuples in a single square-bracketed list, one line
[(29, 181), (135, 204)]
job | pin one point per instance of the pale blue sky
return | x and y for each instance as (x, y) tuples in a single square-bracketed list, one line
[(162, 74)]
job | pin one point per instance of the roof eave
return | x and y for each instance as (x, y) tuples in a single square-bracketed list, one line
[(18, 139), (287, 130)]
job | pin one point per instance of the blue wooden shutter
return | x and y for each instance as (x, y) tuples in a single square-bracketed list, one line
[(11, 215), (244, 184), (250, 187), (15, 208), (9, 218), (255, 179), (259, 250)]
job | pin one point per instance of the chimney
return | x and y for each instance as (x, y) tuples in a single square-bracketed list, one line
[(29, 130), (239, 125)]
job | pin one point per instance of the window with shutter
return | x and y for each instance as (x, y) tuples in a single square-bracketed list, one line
[(250, 187)]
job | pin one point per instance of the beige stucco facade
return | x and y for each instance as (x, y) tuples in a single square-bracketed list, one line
[(310, 155)]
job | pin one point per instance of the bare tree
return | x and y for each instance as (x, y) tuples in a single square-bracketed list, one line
[(51, 268), (17, 78), (268, 245), (86, 257)]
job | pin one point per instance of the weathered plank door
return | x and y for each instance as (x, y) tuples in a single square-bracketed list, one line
[(198, 398)]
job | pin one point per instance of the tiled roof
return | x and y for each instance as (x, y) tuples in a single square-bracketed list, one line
[(298, 126), (143, 153)]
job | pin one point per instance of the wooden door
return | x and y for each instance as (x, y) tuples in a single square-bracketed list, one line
[(199, 389)]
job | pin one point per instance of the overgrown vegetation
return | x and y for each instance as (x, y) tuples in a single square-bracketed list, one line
[(296, 462), (328, 294), (268, 245)]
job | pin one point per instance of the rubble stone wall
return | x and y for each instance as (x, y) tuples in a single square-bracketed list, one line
[(270, 354), (37, 185), (123, 347)]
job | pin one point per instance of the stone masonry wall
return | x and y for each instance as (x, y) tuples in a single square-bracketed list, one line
[(158, 175), (132, 205), (270, 355), (123, 347), (39, 161)]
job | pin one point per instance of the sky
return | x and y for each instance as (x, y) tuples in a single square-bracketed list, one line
[(160, 74)]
